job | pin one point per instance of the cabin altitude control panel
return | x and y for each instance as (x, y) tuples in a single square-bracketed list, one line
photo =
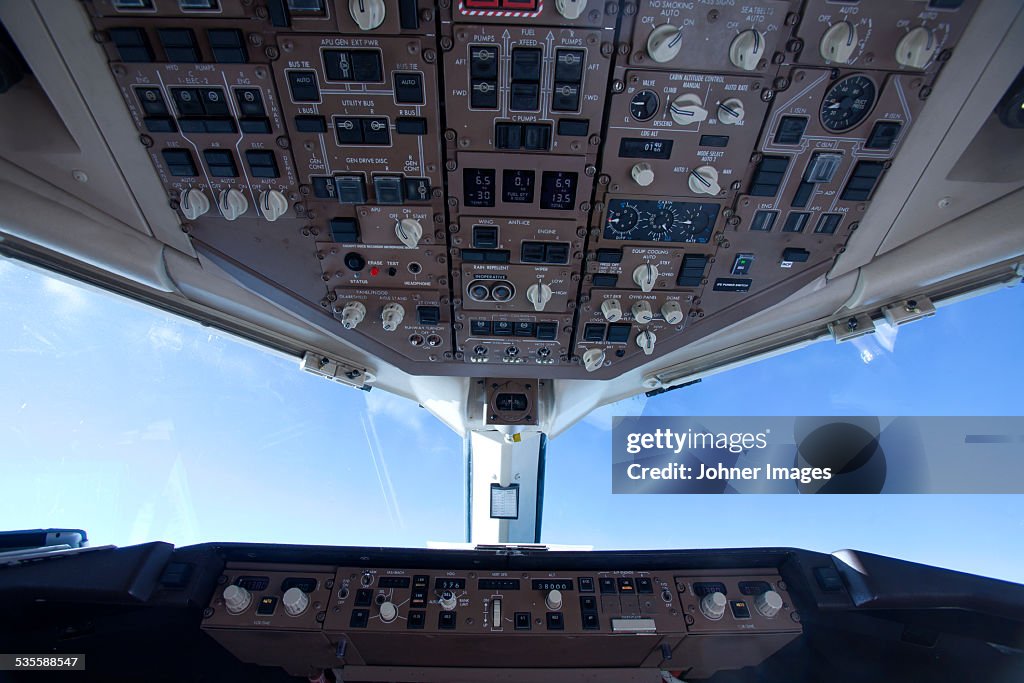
[(524, 188)]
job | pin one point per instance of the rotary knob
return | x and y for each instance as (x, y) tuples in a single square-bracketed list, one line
[(448, 601), (768, 603), (704, 180), (687, 109), (232, 204), (352, 314), (571, 9), (193, 203), (645, 340), (838, 43), (664, 43), (593, 359), (409, 232), (747, 49), (643, 174), (646, 276), (273, 205), (642, 312), (553, 600), (391, 317), (538, 295), (368, 14), (730, 112), (671, 312), (236, 599), (611, 309), (713, 605), (916, 48), (388, 612), (295, 601)]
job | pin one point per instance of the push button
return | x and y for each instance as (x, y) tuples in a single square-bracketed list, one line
[(556, 621), (568, 66), (179, 162), (526, 64), (644, 585), (588, 603), (536, 136), (160, 124), (221, 163), (179, 44), (214, 102), (388, 189), (255, 126), (344, 230), (525, 329), (187, 101), (502, 328), (508, 135), (303, 86), (132, 44), (523, 621), (618, 333), (360, 618), (883, 135), (594, 332), (312, 124), (348, 130), (485, 237), (411, 125), (417, 189), (250, 102), (262, 163), (366, 66), (547, 331), (586, 584), (566, 97), (791, 130), (428, 315), (524, 97), (483, 94), (228, 46), (364, 597), (409, 88), (351, 189), (591, 622), (479, 328), (577, 128), (375, 132), (483, 62), (446, 620), (416, 619), (152, 101)]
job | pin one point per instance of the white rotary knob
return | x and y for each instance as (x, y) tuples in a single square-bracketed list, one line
[(368, 14), (838, 43), (593, 359), (409, 232), (642, 312), (553, 600), (538, 295), (232, 204), (671, 312), (704, 180), (645, 340), (768, 603), (916, 48), (730, 112), (391, 317), (687, 109), (643, 174), (448, 601), (571, 9), (388, 612), (746, 49), (273, 204), (664, 43), (237, 599), (646, 276), (713, 605), (295, 601), (352, 314), (193, 203), (611, 309)]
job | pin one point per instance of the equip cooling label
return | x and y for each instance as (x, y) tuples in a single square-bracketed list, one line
[(818, 455)]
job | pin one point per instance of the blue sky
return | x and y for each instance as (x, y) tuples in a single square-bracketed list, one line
[(136, 425)]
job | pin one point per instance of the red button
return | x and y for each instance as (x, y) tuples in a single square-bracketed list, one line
[(374, 270)]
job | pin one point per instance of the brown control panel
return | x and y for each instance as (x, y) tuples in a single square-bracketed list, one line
[(311, 617), (524, 188)]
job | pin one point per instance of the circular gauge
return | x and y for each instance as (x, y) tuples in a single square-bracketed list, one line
[(622, 221), (661, 222), (644, 105), (847, 102), (694, 222)]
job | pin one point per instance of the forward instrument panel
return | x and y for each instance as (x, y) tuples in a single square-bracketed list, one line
[(359, 616), (524, 188)]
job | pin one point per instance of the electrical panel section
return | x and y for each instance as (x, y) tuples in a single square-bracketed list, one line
[(525, 188)]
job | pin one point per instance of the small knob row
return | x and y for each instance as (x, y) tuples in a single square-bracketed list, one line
[(232, 204)]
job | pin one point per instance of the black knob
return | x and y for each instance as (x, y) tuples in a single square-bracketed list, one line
[(354, 261)]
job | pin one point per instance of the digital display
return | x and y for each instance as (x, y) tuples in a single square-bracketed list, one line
[(393, 582), (552, 584), (498, 584), (558, 190), (449, 584), (478, 184), (643, 148), (517, 186)]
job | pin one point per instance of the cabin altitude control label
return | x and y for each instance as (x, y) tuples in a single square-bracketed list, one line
[(818, 455)]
